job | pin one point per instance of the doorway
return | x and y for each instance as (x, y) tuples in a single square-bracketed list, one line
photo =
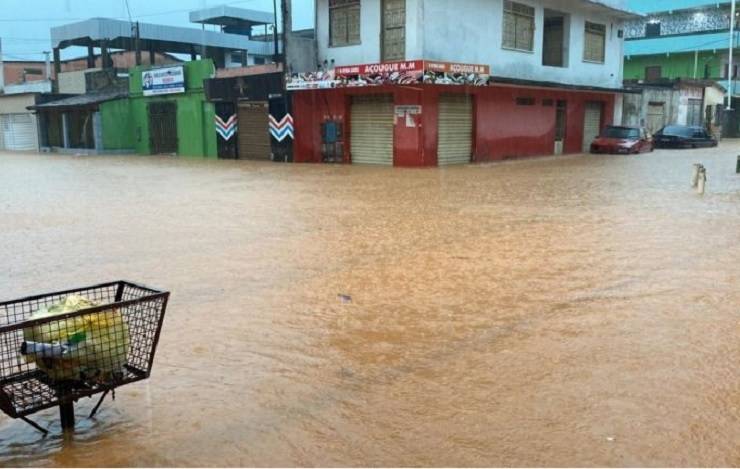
[(163, 128)]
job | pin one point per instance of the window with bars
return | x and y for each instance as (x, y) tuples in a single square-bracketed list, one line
[(594, 43), (518, 26), (344, 22)]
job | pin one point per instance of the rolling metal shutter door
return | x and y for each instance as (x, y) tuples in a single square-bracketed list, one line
[(591, 124), (254, 132), (455, 130), (372, 130), (19, 132)]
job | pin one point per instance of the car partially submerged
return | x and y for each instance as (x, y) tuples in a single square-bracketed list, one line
[(618, 139), (684, 136)]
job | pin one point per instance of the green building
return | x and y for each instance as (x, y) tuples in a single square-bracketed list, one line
[(178, 121)]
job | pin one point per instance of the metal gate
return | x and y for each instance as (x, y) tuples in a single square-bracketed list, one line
[(655, 117), (163, 127), (371, 132), (254, 131), (393, 42), (18, 132), (455, 133), (591, 124)]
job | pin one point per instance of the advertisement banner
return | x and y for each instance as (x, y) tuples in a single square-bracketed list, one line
[(161, 81)]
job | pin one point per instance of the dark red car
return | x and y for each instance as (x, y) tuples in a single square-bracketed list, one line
[(623, 140)]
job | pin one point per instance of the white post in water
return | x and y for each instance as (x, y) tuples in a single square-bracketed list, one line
[(732, 49), (695, 175), (702, 183), (2, 69)]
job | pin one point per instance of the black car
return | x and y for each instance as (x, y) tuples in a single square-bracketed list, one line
[(683, 136)]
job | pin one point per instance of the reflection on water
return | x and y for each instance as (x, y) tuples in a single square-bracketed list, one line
[(576, 310)]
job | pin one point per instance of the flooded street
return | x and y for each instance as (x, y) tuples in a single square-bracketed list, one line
[(580, 310)]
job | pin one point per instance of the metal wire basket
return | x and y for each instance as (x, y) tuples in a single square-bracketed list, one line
[(54, 360)]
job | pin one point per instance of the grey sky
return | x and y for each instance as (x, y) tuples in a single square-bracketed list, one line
[(24, 24)]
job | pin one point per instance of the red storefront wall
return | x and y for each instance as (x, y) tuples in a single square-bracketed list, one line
[(502, 128)]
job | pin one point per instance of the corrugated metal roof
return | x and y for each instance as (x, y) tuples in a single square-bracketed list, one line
[(217, 14), (163, 38), (83, 100)]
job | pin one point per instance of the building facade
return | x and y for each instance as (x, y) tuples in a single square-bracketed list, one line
[(683, 42), (400, 83)]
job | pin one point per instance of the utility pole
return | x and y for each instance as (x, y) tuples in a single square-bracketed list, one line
[(287, 28), (137, 42), (729, 61), (2, 68), (274, 31)]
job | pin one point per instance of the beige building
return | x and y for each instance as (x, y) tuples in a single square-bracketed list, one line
[(18, 125)]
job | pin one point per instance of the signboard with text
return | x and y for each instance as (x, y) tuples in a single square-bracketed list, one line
[(161, 81), (410, 72)]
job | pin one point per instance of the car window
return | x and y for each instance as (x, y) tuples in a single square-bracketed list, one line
[(700, 134), (678, 131), (620, 132)]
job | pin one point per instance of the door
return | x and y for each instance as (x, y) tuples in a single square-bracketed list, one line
[(393, 31), (655, 117), (561, 124), (694, 116), (19, 132), (455, 133), (591, 124), (371, 130), (163, 128), (254, 131)]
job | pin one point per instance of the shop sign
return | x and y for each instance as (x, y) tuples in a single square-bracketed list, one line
[(159, 81), (413, 72)]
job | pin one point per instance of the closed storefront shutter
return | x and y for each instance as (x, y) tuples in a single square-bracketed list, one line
[(254, 131), (19, 132), (591, 124), (372, 130), (455, 130)]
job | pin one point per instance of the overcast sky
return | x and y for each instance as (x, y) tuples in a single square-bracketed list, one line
[(24, 24)]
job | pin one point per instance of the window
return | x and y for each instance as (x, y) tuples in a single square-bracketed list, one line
[(344, 22), (652, 29), (525, 101), (259, 60), (594, 44), (548, 102), (653, 73), (518, 26)]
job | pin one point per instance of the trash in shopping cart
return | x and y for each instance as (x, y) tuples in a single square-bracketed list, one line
[(60, 347)]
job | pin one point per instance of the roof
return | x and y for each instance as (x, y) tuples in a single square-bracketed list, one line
[(161, 38), (82, 100), (616, 8), (225, 15), (661, 6), (677, 44), (673, 83)]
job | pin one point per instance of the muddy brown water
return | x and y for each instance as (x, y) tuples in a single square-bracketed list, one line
[(564, 311)]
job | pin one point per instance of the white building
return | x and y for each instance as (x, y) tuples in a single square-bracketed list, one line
[(532, 77)]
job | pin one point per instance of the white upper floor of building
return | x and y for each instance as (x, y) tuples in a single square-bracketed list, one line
[(572, 42)]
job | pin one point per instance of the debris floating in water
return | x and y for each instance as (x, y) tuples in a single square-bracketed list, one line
[(345, 299)]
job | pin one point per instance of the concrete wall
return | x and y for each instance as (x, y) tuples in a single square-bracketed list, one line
[(74, 82), (117, 125), (470, 31), (16, 103)]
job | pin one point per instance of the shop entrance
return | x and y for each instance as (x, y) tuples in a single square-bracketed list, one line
[(163, 128)]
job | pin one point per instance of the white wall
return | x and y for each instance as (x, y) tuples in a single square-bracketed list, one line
[(368, 51), (470, 31)]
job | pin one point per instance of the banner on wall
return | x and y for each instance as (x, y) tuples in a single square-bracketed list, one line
[(412, 72), (159, 81), (226, 129)]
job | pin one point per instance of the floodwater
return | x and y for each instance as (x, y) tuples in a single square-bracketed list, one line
[(578, 310)]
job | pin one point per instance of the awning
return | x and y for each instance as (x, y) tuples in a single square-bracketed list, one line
[(90, 100)]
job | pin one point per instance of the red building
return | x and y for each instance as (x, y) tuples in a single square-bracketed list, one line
[(373, 117)]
